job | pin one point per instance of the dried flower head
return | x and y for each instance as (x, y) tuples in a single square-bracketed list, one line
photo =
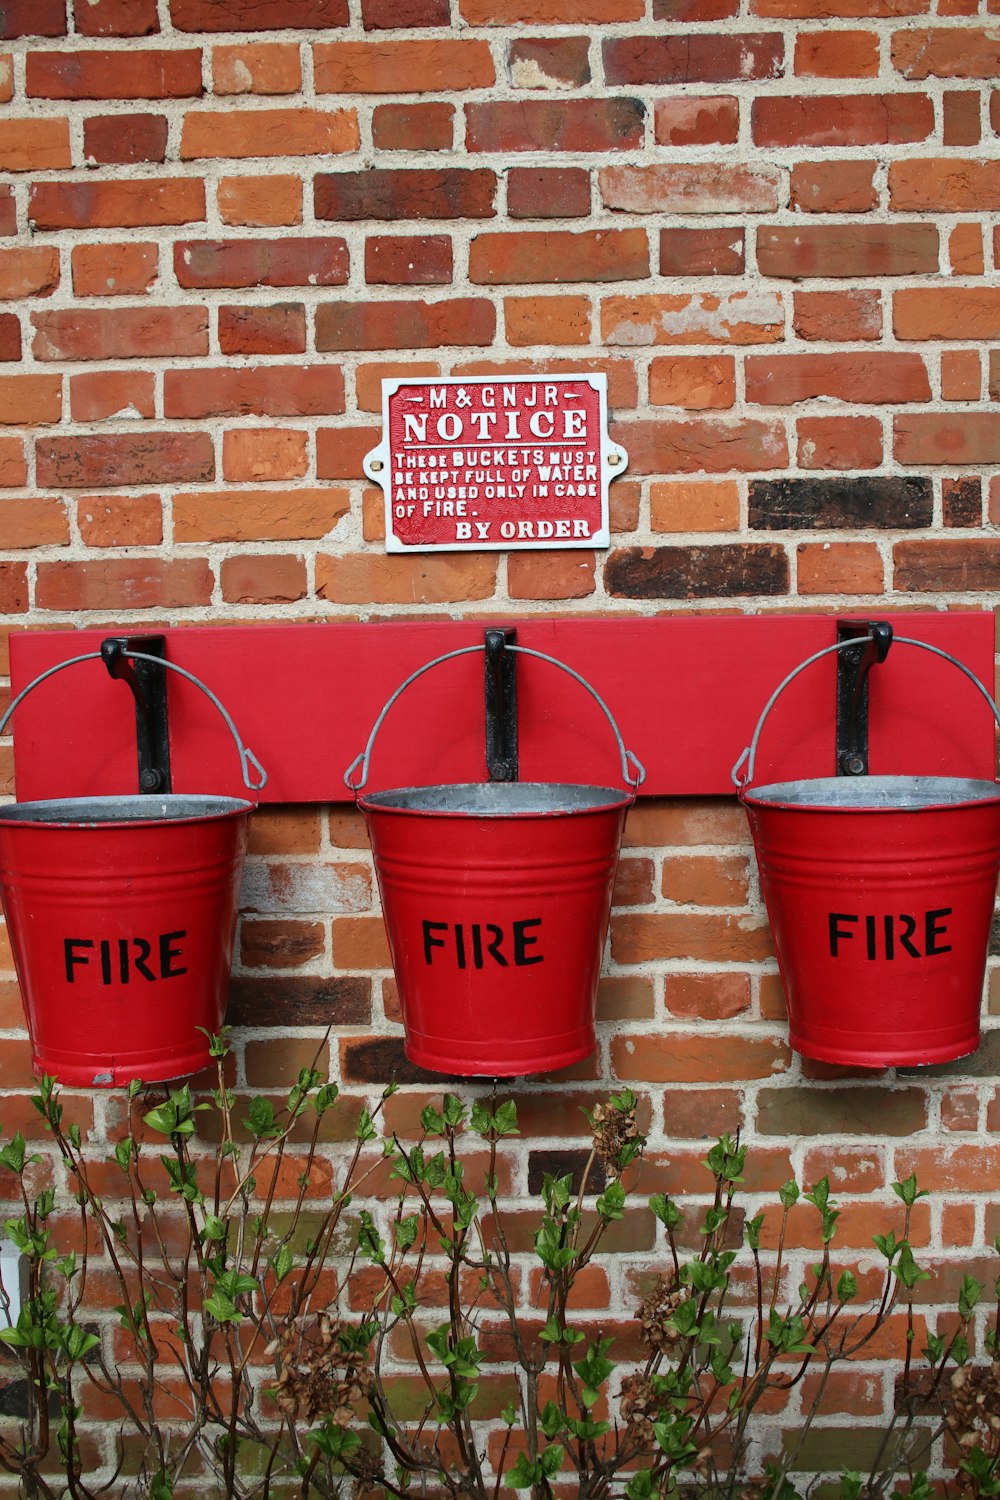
[(656, 1311), (617, 1138), (317, 1376), (972, 1407)]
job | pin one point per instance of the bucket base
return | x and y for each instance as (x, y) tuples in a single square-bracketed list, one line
[(105, 1072), (467, 1059), (892, 1051)]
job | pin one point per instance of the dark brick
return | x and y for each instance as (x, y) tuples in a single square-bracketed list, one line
[(962, 500), (262, 15), (382, 1060), (8, 212), (984, 1063), (702, 252), (565, 1164), (277, 329), (549, 62), (852, 1110), (694, 59), (398, 193), (946, 566), (117, 139), (687, 11), (696, 572), (116, 17), (548, 192), (32, 18), (888, 503), (390, 15), (90, 462), (300, 1001), (408, 260), (555, 125), (10, 337)]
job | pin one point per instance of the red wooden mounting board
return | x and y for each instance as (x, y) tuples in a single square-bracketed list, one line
[(686, 692)]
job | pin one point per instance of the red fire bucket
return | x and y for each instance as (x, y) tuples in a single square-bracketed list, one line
[(496, 898), (122, 918), (880, 894)]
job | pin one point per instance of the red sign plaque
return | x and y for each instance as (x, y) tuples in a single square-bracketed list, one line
[(495, 463)]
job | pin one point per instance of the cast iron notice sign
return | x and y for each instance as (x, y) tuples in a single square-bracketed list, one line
[(489, 463)]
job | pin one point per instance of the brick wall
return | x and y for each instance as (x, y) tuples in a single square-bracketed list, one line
[(775, 225)]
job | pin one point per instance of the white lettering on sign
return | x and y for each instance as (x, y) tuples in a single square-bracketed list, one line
[(495, 463)]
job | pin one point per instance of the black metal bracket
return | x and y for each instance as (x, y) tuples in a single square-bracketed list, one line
[(501, 705), (148, 683), (853, 666)]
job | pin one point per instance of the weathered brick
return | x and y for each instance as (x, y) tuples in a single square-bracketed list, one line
[(700, 318), (120, 333), (839, 568), (432, 578), (114, 140), (696, 572), (401, 193), (264, 454), (308, 261), (340, 451), (446, 64), (961, 375), (8, 211), (848, 250), (152, 73), (886, 502), (703, 444), (31, 271), (549, 12), (277, 329), (264, 15), (262, 390), (210, 134), (408, 260), (102, 395), (944, 185), (687, 12), (698, 382), (263, 578), (89, 462), (558, 256), (10, 337), (110, 205), (953, 566), (26, 400), (703, 252), (838, 317), (961, 122), (554, 124), (819, 10), (35, 522), (694, 505), (837, 54), (697, 120), (701, 57), (946, 52), (873, 377), (547, 320), (299, 1000), (550, 575), (843, 120), (300, 889), (700, 1058), (279, 944), (33, 18), (548, 192), (114, 270), (387, 15), (404, 325), (549, 62), (413, 127), (962, 501), (257, 68), (838, 442), (841, 187), (946, 438), (947, 313), (14, 590), (124, 583), (13, 466), (965, 250), (705, 188), (116, 18), (120, 520), (847, 1110), (258, 515), (34, 145), (260, 202)]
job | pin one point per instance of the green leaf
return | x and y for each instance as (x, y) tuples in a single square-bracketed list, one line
[(908, 1190), (968, 1296), (788, 1193), (847, 1287), (664, 1209), (611, 1203), (13, 1154)]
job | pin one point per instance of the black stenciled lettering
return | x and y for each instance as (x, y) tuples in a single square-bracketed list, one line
[(870, 935), (889, 946), (460, 945), (124, 970), (493, 948), (477, 945), (72, 958), (933, 929), (168, 954), (522, 942), (105, 961), (836, 931), (430, 941), (908, 929), (145, 949)]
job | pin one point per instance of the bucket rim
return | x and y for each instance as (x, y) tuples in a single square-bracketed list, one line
[(609, 799), (788, 795), (42, 813)]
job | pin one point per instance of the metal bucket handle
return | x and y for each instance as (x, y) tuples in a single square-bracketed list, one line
[(247, 757), (749, 756), (626, 757)]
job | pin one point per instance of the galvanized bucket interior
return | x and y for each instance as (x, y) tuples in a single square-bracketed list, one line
[(98, 811), (875, 793), (498, 799)]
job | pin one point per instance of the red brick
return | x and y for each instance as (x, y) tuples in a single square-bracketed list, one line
[(694, 505), (35, 145), (29, 272), (114, 270), (961, 123), (211, 134), (10, 337), (703, 318), (965, 250), (444, 65), (89, 462), (944, 185), (697, 382), (549, 12), (842, 187), (875, 377), (29, 399), (263, 579), (260, 202), (387, 15), (548, 62), (702, 252), (98, 74), (264, 454), (700, 57), (257, 68), (837, 54), (947, 313), (319, 261), (697, 120), (115, 140), (13, 467), (99, 395), (264, 390), (623, 389), (14, 590), (696, 1059), (116, 18), (259, 515), (547, 320), (962, 501), (110, 205), (707, 997), (961, 375), (124, 583), (946, 52), (340, 451), (839, 317), (404, 325), (555, 125), (369, 377), (265, 15), (844, 120), (839, 568), (120, 520), (120, 333), (548, 575), (408, 260), (702, 444), (432, 578), (277, 329), (413, 127), (548, 192), (947, 438), (33, 18), (403, 193), (818, 10), (705, 188), (869, 250), (558, 256), (694, 11), (35, 522), (839, 442)]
